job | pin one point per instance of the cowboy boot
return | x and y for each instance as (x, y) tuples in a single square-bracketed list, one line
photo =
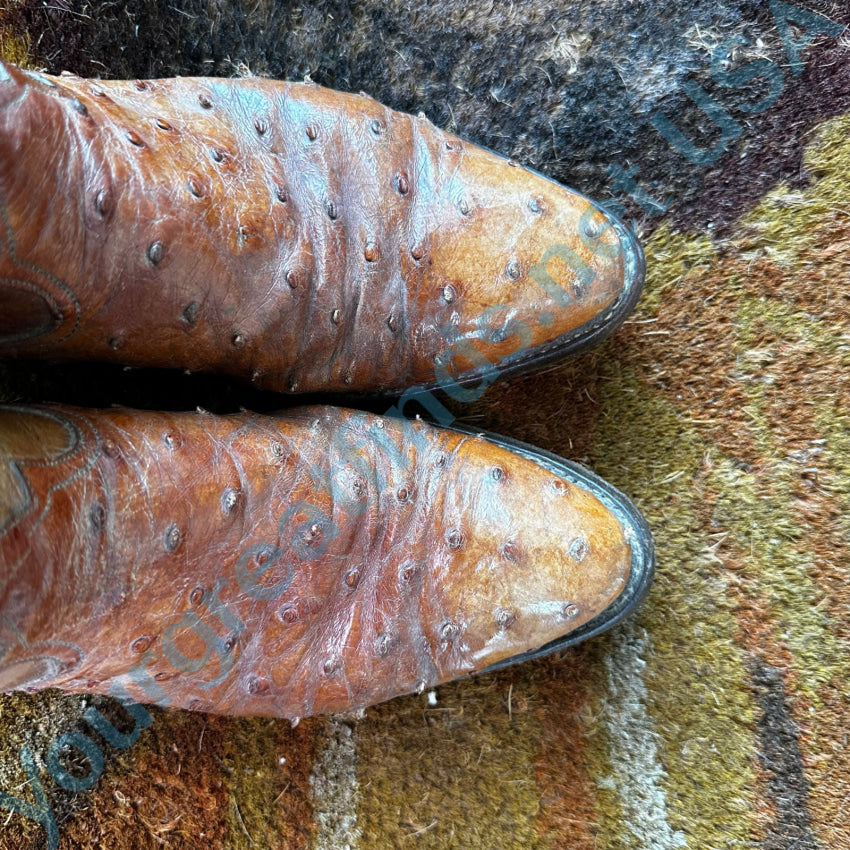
[(302, 238), (315, 561)]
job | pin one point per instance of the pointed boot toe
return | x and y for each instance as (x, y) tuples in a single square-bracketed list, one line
[(532, 271), (317, 561), (592, 551), (303, 239)]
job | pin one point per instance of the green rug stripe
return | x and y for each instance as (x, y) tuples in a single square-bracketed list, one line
[(698, 698)]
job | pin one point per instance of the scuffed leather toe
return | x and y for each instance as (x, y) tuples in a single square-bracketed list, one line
[(549, 554), (535, 271), (614, 567)]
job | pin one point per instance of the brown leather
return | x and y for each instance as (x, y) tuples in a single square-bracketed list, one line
[(306, 239), (313, 561)]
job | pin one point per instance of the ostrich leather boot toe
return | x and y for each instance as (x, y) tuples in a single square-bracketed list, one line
[(316, 561), (304, 239)]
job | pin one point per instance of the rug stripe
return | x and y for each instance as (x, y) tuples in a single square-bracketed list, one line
[(456, 773), (336, 791), (567, 687), (780, 750), (636, 771), (694, 685)]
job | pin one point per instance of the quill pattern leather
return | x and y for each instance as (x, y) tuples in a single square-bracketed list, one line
[(314, 561), (298, 237)]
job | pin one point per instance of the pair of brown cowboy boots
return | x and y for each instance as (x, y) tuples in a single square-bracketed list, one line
[(305, 240)]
